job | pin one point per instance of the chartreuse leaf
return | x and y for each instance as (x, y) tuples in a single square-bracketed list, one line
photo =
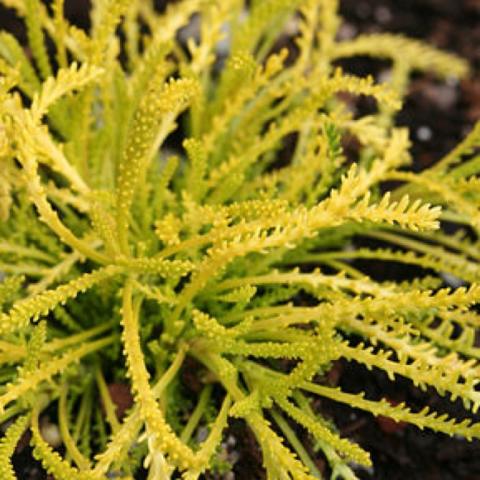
[(179, 215)]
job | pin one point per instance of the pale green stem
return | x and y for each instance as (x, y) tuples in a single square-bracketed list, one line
[(295, 443), (68, 441), (108, 405), (197, 414)]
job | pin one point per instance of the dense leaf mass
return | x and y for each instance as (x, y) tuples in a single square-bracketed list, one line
[(174, 191)]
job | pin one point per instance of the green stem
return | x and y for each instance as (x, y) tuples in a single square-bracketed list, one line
[(197, 414), (68, 441), (295, 443), (85, 407), (339, 467), (77, 339), (108, 405)]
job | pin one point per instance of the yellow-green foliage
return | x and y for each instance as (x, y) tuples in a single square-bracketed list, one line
[(126, 250)]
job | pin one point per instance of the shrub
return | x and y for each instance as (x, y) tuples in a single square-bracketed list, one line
[(168, 201)]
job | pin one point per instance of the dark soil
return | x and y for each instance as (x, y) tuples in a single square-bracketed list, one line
[(439, 115)]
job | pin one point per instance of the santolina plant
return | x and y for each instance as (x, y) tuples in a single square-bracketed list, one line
[(152, 214)]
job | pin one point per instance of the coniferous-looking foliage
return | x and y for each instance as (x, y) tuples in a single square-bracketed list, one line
[(125, 253)]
